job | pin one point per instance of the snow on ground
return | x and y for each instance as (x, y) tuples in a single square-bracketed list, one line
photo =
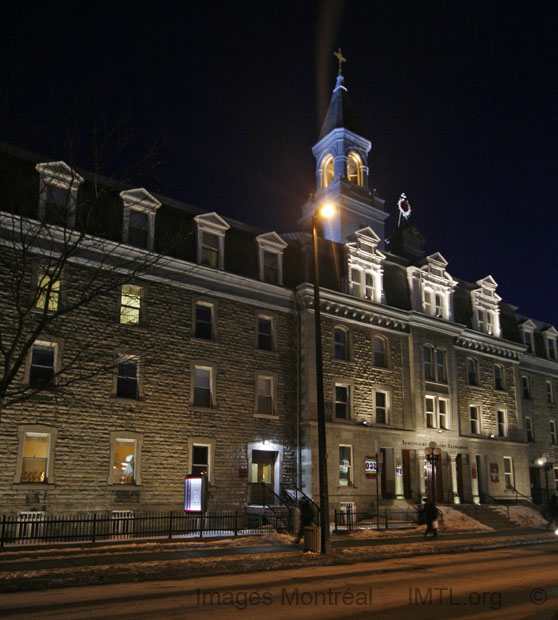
[(522, 516), (455, 521)]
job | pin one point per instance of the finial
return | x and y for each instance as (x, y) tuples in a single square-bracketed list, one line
[(340, 58)]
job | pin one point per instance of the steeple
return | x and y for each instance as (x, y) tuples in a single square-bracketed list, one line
[(342, 170)]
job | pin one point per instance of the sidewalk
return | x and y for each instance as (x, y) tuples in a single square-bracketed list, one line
[(32, 569)]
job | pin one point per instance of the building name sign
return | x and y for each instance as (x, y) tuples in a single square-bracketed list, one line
[(423, 444)]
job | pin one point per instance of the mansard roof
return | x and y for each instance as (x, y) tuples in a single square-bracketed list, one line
[(340, 113)]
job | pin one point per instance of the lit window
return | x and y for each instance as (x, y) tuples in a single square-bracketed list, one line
[(529, 430), (499, 383), (508, 472), (130, 304), (42, 367), (502, 423), (428, 305), (48, 291), (379, 351), (381, 406), (430, 412), (472, 371), (124, 461), (474, 419), (265, 392), (369, 286), (265, 333), (439, 308), (340, 345), (526, 387), (345, 466), (328, 173), (200, 460), (342, 402), (553, 437), (35, 457), (354, 169), (442, 413), (486, 315), (127, 378), (204, 321), (203, 387)]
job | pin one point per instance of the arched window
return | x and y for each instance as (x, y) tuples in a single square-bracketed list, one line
[(472, 371), (380, 352), (340, 344), (354, 169), (327, 171)]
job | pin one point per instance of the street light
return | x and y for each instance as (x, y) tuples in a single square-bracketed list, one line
[(433, 454), (323, 212)]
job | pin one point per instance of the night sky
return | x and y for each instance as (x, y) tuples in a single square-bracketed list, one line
[(458, 99)]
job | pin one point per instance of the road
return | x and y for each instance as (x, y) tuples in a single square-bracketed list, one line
[(504, 583)]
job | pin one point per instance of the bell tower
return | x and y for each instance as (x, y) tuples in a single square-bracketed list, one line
[(342, 173)]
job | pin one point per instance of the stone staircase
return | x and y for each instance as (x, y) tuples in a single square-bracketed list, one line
[(486, 515)]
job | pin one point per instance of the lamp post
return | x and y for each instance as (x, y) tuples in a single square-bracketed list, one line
[(324, 212), (433, 454)]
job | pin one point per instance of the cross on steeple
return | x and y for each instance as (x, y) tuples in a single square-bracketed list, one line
[(340, 58)]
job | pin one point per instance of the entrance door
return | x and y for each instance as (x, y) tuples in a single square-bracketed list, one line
[(439, 481), (482, 478), (388, 483), (536, 490), (406, 462), (263, 470)]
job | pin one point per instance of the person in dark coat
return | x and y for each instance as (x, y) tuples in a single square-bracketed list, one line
[(430, 516), (308, 516)]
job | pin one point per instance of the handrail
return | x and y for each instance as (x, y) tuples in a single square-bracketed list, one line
[(418, 496), (266, 488), (299, 492), (519, 493), (484, 494)]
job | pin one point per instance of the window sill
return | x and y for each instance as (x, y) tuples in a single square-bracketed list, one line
[(204, 340), (266, 351), (203, 409), (34, 485), (122, 487), (340, 361), (126, 400), (269, 416)]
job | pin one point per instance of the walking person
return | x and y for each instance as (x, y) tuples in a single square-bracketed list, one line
[(430, 516), (308, 516)]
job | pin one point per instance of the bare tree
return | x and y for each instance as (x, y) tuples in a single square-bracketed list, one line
[(61, 252)]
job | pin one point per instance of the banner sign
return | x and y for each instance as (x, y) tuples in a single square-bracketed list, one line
[(370, 467), (494, 472)]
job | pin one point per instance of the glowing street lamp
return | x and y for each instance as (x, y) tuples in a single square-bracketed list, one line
[(323, 212)]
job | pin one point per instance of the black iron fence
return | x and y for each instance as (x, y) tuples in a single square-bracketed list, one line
[(382, 519), (38, 527)]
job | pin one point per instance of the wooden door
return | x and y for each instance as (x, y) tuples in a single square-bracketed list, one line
[(406, 462)]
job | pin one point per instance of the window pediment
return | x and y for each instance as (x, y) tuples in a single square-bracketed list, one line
[(58, 193), (60, 174), (432, 287), (212, 222), (270, 257), (140, 199)]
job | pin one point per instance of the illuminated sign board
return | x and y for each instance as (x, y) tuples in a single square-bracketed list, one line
[(195, 494)]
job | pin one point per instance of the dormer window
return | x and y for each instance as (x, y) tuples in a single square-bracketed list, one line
[(211, 240), (138, 227), (58, 193), (327, 171), (432, 288), (486, 317), (550, 336), (527, 329), (354, 169), (365, 266), (270, 258)]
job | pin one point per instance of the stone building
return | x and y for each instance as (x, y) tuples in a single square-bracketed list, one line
[(203, 360)]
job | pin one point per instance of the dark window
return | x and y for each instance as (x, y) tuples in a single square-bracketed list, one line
[(204, 321), (342, 401), (138, 231), (56, 206), (381, 408), (498, 377), (265, 333), (41, 373), (265, 395), (526, 387), (380, 358), (210, 250), (200, 460), (428, 363), (270, 267), (202, 387), (340, 349), (472, 372), (127, 381), (501, 423), (441, 366), (529, 429)]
